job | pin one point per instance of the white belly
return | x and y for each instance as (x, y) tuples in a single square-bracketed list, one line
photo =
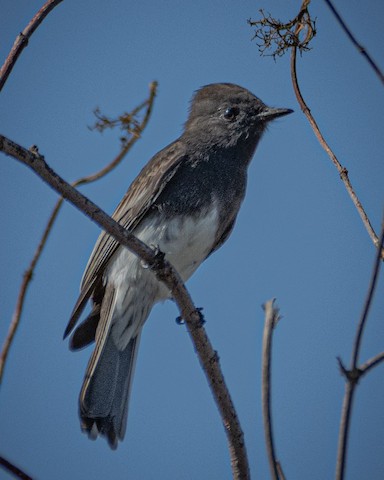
[(185, 243)]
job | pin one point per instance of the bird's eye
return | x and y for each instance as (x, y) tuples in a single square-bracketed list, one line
[(231, 113)]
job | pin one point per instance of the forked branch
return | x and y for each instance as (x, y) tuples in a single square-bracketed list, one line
[(355, 372)]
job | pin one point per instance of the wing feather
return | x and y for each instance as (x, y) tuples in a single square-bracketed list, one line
[(140, 196)]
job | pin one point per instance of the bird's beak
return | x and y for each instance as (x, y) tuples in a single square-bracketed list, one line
[(269, 113)]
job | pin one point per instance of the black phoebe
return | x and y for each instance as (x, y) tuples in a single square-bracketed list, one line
[(184, 202)]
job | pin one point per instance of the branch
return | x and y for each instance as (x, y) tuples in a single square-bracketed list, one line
[(281, 36), (343, 172), (164, 272), (271, 319), (22, 39), (371, 363), (353, 39), (16, 471), (28, 274), (368, 301), (296, 34), (344, 429), (354, 374)]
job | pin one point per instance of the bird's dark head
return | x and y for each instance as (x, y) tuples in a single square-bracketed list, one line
[(225, 114)]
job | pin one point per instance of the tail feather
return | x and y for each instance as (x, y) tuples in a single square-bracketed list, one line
[(105, 395), (103, 402), (115, 323)]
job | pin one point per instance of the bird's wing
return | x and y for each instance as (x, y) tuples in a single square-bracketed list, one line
[(142, 193)]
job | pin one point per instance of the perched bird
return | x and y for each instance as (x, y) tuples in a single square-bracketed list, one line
[(184, 202)]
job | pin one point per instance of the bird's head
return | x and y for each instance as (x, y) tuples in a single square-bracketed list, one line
[(225, 114)]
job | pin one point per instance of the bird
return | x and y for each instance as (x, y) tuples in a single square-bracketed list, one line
[(183, 203)]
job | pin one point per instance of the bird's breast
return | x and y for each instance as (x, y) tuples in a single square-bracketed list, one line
[(186, 240)]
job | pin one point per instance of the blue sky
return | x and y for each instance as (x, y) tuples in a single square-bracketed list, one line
[(298, 238)]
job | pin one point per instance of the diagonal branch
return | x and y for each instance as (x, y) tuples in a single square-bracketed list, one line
[(368, 302), (22, 40), (16, 471), (164, 272), (294, 35), (371, 363), (28, 274), (359, 47), (343, 172)]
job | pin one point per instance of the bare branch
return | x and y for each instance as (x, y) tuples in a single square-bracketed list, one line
[(164, 272), (353, 39), (343, 172), (27, 277), (22, 39), (372, 363), (135, 133), (16, 471), (280, 471), (355, 372), (344, 429), (271, 319), (368, 301), (296, 35), (282, 36), (354, 375)]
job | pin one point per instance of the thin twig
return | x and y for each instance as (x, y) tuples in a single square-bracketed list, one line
[(353, 39), (344, 429), (28, 275), (280, 471), (368, 303), (271, 319), (355, 372), (20, 43), (165, 272), (135, 135), (277, 37), (16, 471), (343, 172), (22, 39), (371, 363), (296, 34)]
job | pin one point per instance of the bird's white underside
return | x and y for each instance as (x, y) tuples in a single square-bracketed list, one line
[(185, 241)]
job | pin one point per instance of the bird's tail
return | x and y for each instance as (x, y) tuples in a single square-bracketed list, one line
[(115, 324), (105, 392)]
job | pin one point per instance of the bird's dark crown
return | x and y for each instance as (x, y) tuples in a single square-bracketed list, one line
[(224, 112), (208, 99)]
